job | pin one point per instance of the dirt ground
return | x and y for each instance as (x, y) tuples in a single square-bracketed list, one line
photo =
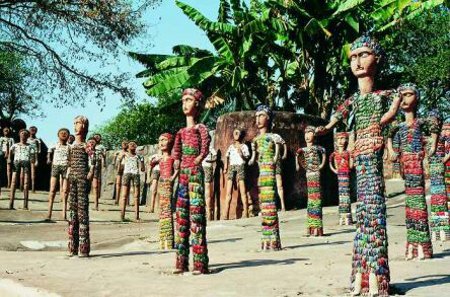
[(126, 261)]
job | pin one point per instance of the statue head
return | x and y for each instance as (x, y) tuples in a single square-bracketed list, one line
[(71, 139), (341, 139), (264, 116), (90, 146), (81, 125), (124, 145), (6, 131), (410, 96), (23, 135), (365, 55), (238, 134), (310, 133), (192, 100), (132, 145), (165, 142), (33, 130), (63, 135), (97, 137)]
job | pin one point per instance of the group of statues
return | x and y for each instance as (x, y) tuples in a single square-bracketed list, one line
[(188, 156)]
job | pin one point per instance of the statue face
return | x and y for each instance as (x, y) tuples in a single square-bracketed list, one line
[(236, 134), (189, 105), (63, 136), (24, 136), (341, 141), (33, 130), (124, 145), (6, 131), (98, 138), (78, 127), (71, 139), (309, 137), (262, 119), (91, 143), (363, 62), (132, 146), (409, 100), (163, 143)]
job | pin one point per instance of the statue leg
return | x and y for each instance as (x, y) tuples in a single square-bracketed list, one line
[(95, 189), (51, 196), (12, 192), (153, 191), (73, 218), (118, 188), (136, 186), (65, 195), (183, 227), (9, 173), (83, 216), (26, 187), (226, 209), (33, 178)]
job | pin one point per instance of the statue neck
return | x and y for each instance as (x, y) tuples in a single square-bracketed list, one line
[(79, 138), (410, 116), (309, 144), (365, 84), (263, 130), (190, 121)]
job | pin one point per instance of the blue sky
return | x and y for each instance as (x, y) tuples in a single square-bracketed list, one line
[(167, 26)]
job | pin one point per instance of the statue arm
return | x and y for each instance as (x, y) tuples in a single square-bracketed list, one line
[(284, 151), (331, 163), (254, 152), (341, 113), (390, 114), (204, 145), (277, 153), (324, 158)]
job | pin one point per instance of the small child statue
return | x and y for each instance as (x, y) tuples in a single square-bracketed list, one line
[(36, 144), (410, 142), (71, 139), (61, 153), (165, 189), (236, 158), (190, 149), (119, 169), (100, 157), (208, 168), (341, 164), (265, 151), (79, 175), (152, 179), (6, 142), (131, 162), (312, 158), (24, 155)]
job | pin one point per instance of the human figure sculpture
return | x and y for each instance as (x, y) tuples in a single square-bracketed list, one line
[(341, 163), (79, 175), (445, 135), (71, 139), (236, 158), (165, 190), (372, 111), (439, 216), (208, 169), (36, 144), (100, 152), (396, 166), (131, 164), (312, 158), (410, 137), (152, 180), (23, 155), (190, 148), (265, 151), (278, 170), (60, 161), (6, 142), (119, 169)]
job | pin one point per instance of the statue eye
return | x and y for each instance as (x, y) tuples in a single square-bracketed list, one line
[(364, 54)]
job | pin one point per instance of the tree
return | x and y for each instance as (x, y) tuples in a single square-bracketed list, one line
[(15, 98), (289, 54), (59, 36)]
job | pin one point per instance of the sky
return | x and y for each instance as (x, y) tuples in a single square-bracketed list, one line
[(167, 26)]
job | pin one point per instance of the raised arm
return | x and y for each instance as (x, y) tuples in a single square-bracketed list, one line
[(390, 114), (340, 114)]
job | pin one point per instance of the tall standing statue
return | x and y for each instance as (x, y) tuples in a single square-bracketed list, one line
[(372, 111), (152, 179), (119, 169), (445, 134), (190, 148), (59, 162), (312, 158), (410, 141), (36, 144), (208, 168), (265, 151), (341, 163), (100, 152), (439, 220), (80, 173), (165, 189), (23, 156), (6, 142), (236, 157), (131, 164), (278, 170)]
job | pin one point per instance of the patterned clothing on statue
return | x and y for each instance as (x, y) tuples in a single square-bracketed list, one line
[(445, 134), (24, 155), (131, 170), (165, 189), (100, 151), (35, 143), (370, 249), (154, 164), (79, 200), (60, 159), (341, 161), (278, 140), (191, 142), (311, 160), (439, 220), (208, 165), (5, 144), (236, 162), (265, 148), (412, 150)]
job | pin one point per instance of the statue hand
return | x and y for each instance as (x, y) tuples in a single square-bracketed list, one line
[(321, 130), (393, 157), (431, 151), (90, 175), (176, 164), (198, 160)]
